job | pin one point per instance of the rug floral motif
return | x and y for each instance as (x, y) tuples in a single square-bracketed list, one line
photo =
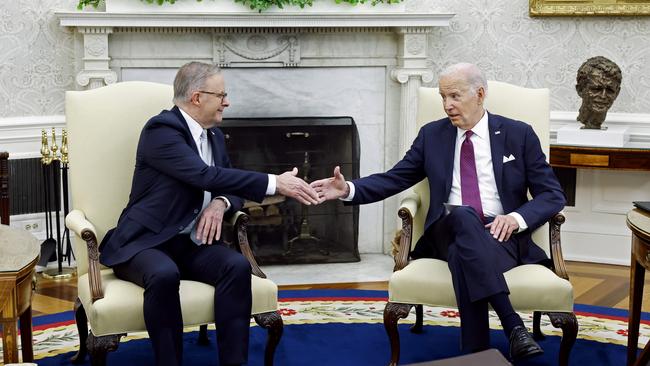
[(62, 337)]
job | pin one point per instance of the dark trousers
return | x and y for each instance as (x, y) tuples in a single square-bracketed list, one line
[(159, 271), (477, 262)]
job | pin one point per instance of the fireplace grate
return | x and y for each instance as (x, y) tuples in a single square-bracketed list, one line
[(283, 231)]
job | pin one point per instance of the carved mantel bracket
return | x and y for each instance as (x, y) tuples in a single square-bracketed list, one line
[(412, 71), (95, 72)]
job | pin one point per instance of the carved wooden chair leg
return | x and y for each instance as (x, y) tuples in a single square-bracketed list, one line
[(419, 319), (537, 326), (203, 335), (569, 325), (273, 322), (98, 347), (82, 329), (393, 312)]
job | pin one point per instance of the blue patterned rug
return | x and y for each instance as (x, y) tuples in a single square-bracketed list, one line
[(345, 327)]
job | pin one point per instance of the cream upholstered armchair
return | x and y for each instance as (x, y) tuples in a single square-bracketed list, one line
[(533, 287), (103, 128)]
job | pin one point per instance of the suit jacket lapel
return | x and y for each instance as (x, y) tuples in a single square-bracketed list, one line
[(497, 146), (216, 156), (186, 129), (448, 145)]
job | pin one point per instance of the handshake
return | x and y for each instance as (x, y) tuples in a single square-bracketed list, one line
[(288, 184)]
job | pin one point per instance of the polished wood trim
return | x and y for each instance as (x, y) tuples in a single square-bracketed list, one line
[(4, 189), (600, 158), (402, 256), (244, 247), (17, 285), (556, 245), (94, 267)]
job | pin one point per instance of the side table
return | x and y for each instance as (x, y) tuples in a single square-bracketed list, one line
[(639, 222), (19, 253)]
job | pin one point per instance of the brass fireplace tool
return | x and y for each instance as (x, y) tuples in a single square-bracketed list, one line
[(305, 237), (55, 177)]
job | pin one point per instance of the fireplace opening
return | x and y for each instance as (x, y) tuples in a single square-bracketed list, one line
[(281, 230)]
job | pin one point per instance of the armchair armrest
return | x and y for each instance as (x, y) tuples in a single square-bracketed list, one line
[(239, 221), (556, 246), (408, 207), (77, 222)]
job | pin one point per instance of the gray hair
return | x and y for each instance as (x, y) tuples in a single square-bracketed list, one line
[(190, 78), (473, 75)]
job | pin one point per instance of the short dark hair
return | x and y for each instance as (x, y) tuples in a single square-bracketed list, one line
[(607, 66)]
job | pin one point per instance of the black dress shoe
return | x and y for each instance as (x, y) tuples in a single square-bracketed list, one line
[(522, 344)]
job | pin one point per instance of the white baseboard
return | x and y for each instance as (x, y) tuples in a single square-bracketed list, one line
[(596, 248)]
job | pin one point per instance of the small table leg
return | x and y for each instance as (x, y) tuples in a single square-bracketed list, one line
[(9, 342), (637, 272), (26, 340)]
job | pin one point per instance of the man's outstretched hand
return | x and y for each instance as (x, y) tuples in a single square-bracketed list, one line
[(291, 186), (331, 188)]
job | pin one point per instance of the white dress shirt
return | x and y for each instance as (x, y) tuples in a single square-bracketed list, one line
[(487, 184)]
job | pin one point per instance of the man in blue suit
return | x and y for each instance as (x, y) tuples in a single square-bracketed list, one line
[(182, 187), (483, 165)]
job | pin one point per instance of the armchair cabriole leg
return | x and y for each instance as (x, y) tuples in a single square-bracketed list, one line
[(98, 347), (569, 325), (393, 312), (82, 330), (419, 319), (273, 322), (537, 326), (203, 339)]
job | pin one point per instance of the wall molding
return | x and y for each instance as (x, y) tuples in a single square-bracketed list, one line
[(21, 136), (24, 131), (638, 123)]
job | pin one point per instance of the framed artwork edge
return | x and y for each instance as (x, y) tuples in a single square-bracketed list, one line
[(548, 8)]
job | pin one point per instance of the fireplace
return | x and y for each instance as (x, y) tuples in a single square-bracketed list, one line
[(283, 231), (367, 65)]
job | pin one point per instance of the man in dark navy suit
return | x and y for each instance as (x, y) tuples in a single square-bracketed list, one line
[(484, 165), (182, 187)]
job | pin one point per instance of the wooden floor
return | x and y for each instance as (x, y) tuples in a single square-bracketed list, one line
[(593, 284)]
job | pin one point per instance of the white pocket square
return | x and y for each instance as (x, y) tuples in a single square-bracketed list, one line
[(508, 158)]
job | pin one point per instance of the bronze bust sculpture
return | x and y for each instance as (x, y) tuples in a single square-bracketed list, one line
[(598, 84)]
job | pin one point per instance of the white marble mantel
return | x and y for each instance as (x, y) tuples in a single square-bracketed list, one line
[(389, 48), (408, 64)]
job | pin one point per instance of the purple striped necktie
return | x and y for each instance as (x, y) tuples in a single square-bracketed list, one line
[(468, 179)]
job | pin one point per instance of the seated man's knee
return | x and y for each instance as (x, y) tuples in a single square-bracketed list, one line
[(240, 266), (168, 278), (463, 214)]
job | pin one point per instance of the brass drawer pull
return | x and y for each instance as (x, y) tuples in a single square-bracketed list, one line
[(589, 159), (297, 134)]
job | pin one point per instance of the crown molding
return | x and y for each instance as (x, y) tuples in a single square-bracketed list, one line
[(253, 20)]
